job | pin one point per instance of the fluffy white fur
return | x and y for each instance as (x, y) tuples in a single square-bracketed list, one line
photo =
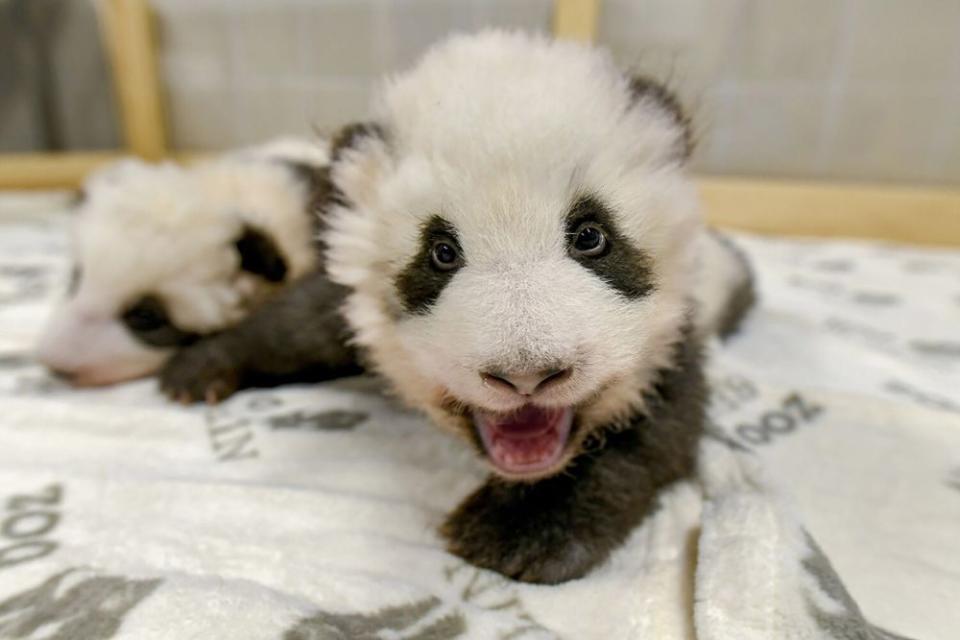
[(499, 133), (169, 231)]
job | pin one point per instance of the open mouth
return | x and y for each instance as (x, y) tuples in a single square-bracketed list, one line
[(525, 442)]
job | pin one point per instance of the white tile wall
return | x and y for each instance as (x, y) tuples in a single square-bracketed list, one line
[(844, 89), (836, 89), (238, 71)]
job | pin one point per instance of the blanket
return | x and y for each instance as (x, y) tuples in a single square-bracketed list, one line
[(827, 503)]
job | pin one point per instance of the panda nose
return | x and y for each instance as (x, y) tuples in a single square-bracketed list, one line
[(524, 383)]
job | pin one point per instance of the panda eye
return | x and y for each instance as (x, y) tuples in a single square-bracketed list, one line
[(444, 256), (147, 314), (589, 240)]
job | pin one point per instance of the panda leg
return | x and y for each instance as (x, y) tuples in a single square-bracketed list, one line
[(556, 529), (299, 334)]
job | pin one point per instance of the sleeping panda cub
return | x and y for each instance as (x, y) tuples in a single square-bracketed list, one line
[(166, 255), (521, 254)]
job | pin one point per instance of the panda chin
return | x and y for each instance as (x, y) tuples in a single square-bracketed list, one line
[(527, 443)]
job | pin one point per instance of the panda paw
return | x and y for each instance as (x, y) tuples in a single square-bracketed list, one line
[(542, 548), (203, 372)]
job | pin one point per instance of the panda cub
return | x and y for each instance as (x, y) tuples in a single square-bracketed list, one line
[(514, 243), (166, 255)]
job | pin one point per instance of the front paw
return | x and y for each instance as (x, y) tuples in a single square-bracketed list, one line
[(541, 544), (205, 371)]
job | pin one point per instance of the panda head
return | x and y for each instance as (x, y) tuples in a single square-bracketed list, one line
[(516, 229), (165, 254)]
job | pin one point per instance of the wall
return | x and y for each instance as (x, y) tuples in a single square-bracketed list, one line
[(238, 71), (851, 89), (836, 89)]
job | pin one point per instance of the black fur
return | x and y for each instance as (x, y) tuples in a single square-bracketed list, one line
[(743, 298), (299, 334), (643, 88), (622, 266), (559, 528), (76, 275), (309, 174), (350, 136), (319, 187), (260, 255), (420, 283), (148, 321)]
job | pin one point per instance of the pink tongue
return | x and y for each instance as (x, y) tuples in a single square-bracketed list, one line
[(527, 441)]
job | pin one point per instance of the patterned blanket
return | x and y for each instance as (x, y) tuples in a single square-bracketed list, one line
[(309, 512)]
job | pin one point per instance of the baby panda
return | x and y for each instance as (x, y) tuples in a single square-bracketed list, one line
[(166, 255), (514, 243)]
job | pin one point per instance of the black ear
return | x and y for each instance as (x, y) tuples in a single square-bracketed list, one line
[(647, 90), (351, 135), (260, 255)]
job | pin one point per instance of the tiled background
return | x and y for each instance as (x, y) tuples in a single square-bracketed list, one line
[(836, 89), (845, 89), (241, 70), (853, 89)]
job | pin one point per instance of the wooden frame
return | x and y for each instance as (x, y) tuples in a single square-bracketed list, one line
[(129, 33), (922, 216), (928, 216), (127, 28), (576, 19)]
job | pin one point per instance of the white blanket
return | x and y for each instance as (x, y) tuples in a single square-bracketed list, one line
[(310, 512)]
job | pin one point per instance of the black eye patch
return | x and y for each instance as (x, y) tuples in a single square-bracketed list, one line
[(148, 321), (439, 258), (260, 255), (620, 264)]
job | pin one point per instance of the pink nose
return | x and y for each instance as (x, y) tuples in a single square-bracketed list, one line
[(526, 384)]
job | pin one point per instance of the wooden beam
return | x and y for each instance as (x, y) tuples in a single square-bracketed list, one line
[(929, 216), (576, 19), (50, 170), (39, 171), (128, 31)]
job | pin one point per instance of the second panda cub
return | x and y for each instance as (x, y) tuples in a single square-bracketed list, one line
[(166, 256), (524, 259)]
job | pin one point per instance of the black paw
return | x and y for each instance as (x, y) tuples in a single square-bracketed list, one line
[(519, 539), (203, 372)]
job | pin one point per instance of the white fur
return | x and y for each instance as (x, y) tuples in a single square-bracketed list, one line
[(498, 133), (169, 231)]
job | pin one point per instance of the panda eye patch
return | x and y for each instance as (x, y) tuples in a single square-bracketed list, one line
[(444, 255), (147, 314), (436, 263), (594, 240), (148, 321), (589, 240)]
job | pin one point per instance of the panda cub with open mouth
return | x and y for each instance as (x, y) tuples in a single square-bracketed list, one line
[(520, 241), (520, 252)]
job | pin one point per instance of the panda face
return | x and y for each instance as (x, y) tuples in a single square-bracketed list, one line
[(517, 243), (166, 255)]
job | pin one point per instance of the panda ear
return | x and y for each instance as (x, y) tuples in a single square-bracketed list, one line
[(353, 136), (259, 255), (359, 155), (653, 94)]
